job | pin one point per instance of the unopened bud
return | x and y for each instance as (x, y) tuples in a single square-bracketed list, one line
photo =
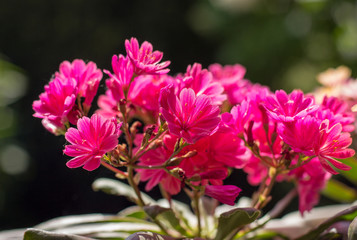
[(134, 128), (177, 160), (155, 144), (122, 106), (178, 173), (147, 135), (250, 139)]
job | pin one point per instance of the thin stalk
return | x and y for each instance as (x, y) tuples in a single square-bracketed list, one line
[(113, 169), (149, 166), (263, 198), (141, 151), (140, 201), (196, 201)]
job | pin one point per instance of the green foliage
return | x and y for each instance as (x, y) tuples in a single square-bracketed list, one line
[(351, 175), (167, 216), (118, 188), (235, 219), (37, 234), (345, 193), (352, 230), (348, 214)]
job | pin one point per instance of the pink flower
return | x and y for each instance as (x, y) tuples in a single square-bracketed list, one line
[(289, 108), (228, 149), (331, 144), (108, 106), (145, 91), (224, 193), (56, 104), (337, 111), (201, 81), (87, 77), (264, 140), (188, 116), (93, 138), (311, 179), (227, 75), (301, 135), (237, 119), (119, 82), (157, 157), (145, 61)]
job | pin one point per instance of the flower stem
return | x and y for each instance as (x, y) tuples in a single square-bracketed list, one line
[(132, 183), (264, 198), (196, 203), (113, 169)]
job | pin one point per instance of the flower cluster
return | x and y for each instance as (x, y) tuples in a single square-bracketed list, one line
[(195, 127)]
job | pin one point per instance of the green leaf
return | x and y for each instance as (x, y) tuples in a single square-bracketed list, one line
[(148, 236), (68, 221), (118, 188), (134, 212), (268, 235), (345, 193), (348, 215), (37, 234), (155, 210), (234, 219), (352, 230), (165, 215), (351, 175)]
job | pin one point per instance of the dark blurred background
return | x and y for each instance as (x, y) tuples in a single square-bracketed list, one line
[(282, 43)]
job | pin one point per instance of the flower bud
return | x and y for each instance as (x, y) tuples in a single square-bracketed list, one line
[(177, 160), (147, 135), (134, 128), (225, 193), (178, 173)]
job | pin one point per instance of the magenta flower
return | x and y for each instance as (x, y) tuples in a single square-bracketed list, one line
[(145, 91), (227, 75), (331, 144), (224, 193), (157, 157), (108, 106), (119, 82), (56, 104), (337, 111), (188, 116), (201, 81), (311, 179), (235, 154), (289, 108), (237, 119), (93, 138), (87, 77), (301, 135), (145, 61)]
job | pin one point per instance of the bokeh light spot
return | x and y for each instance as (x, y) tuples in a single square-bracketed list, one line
[(14, 159)]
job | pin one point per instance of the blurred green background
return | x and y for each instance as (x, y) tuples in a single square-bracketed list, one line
[(282, 43)]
